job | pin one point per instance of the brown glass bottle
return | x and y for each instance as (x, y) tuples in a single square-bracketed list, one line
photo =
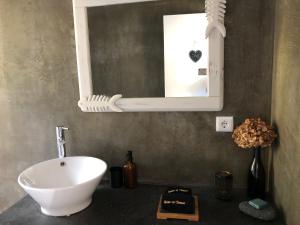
[(130, 172)]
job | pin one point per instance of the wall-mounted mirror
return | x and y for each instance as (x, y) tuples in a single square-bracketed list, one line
[(150, 55)]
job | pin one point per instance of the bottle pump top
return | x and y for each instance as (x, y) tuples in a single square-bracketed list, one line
[(129, 156)]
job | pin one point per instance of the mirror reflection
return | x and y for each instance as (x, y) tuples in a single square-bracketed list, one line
[(149, 49)]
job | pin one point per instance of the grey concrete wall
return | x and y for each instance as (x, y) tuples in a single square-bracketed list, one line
[(39, 90), (286, 110)]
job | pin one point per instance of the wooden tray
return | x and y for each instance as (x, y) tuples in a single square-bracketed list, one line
[(180, 216)]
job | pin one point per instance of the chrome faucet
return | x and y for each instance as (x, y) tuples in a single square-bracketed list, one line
[(60, 140)]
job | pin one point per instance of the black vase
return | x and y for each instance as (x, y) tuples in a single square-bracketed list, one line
[(256, 177)]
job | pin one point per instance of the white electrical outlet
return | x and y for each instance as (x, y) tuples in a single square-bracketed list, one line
[(224, 124)]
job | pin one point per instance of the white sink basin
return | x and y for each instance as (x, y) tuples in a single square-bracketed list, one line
[(63, 186)]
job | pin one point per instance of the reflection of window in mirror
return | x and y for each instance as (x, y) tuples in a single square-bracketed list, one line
[(127, 47), (186, 55)]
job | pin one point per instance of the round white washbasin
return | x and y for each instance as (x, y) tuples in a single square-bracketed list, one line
[(63, 186)]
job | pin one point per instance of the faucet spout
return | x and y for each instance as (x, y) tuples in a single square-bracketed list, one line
[(60, 141)]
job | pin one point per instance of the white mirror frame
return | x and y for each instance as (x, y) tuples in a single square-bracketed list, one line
[(215, 32)]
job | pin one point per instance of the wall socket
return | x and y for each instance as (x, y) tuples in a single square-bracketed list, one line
[(224, 124)]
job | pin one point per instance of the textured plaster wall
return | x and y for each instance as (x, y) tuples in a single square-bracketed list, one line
[(39, 90), (286, 109)]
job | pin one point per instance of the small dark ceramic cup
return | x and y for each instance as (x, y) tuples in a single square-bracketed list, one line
[(116, 177)]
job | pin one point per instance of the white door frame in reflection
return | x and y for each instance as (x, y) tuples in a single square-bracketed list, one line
[(215, 32)]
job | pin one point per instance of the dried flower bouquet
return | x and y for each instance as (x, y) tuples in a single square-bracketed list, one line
[(254, 133)]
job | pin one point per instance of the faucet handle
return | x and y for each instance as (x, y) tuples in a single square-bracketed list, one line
[(62, 128), (60, 131)]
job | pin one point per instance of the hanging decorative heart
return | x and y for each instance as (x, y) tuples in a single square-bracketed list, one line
[(195, 55)]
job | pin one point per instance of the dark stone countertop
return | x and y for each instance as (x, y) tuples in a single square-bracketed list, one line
[(133, 207)]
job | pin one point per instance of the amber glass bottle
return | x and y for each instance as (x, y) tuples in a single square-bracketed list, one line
[(130, 172)]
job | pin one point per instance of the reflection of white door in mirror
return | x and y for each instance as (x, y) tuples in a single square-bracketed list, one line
[(203, 68), (185, 52)]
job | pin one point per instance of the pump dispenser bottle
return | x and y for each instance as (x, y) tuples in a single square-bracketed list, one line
[(130, 171)]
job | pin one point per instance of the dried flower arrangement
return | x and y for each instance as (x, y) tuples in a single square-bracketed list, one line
[(254, 133)]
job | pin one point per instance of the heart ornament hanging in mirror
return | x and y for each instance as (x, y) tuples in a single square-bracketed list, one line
[(195, 55)]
